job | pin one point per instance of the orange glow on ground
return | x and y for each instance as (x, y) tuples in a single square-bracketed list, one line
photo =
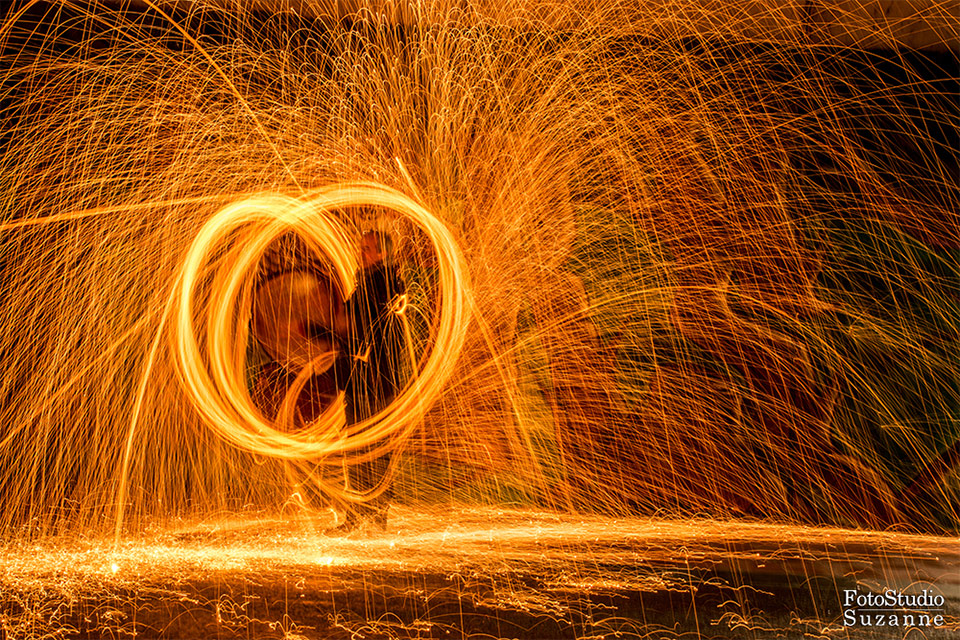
[(580, 576)]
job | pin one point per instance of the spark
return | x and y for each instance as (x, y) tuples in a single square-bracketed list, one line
[(705, 282), (513, 562)]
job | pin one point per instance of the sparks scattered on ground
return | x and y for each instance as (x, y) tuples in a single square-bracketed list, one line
[(528, 574), (645, 276)]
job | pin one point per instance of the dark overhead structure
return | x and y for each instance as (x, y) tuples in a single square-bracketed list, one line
[(865, 24)]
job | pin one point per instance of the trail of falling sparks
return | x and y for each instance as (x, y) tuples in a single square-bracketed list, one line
[(685, 277)]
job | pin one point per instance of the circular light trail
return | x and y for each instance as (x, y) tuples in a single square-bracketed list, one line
[(222, 261)]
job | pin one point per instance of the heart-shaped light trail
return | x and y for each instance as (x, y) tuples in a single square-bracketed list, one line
[(214, 376)]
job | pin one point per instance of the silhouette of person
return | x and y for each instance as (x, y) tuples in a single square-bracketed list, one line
[(372, 369), (295, 307)]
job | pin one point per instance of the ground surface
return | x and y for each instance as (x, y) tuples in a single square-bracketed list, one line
[(478, 573)]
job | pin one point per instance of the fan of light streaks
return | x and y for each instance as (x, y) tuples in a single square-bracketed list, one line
[(650, 276)]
